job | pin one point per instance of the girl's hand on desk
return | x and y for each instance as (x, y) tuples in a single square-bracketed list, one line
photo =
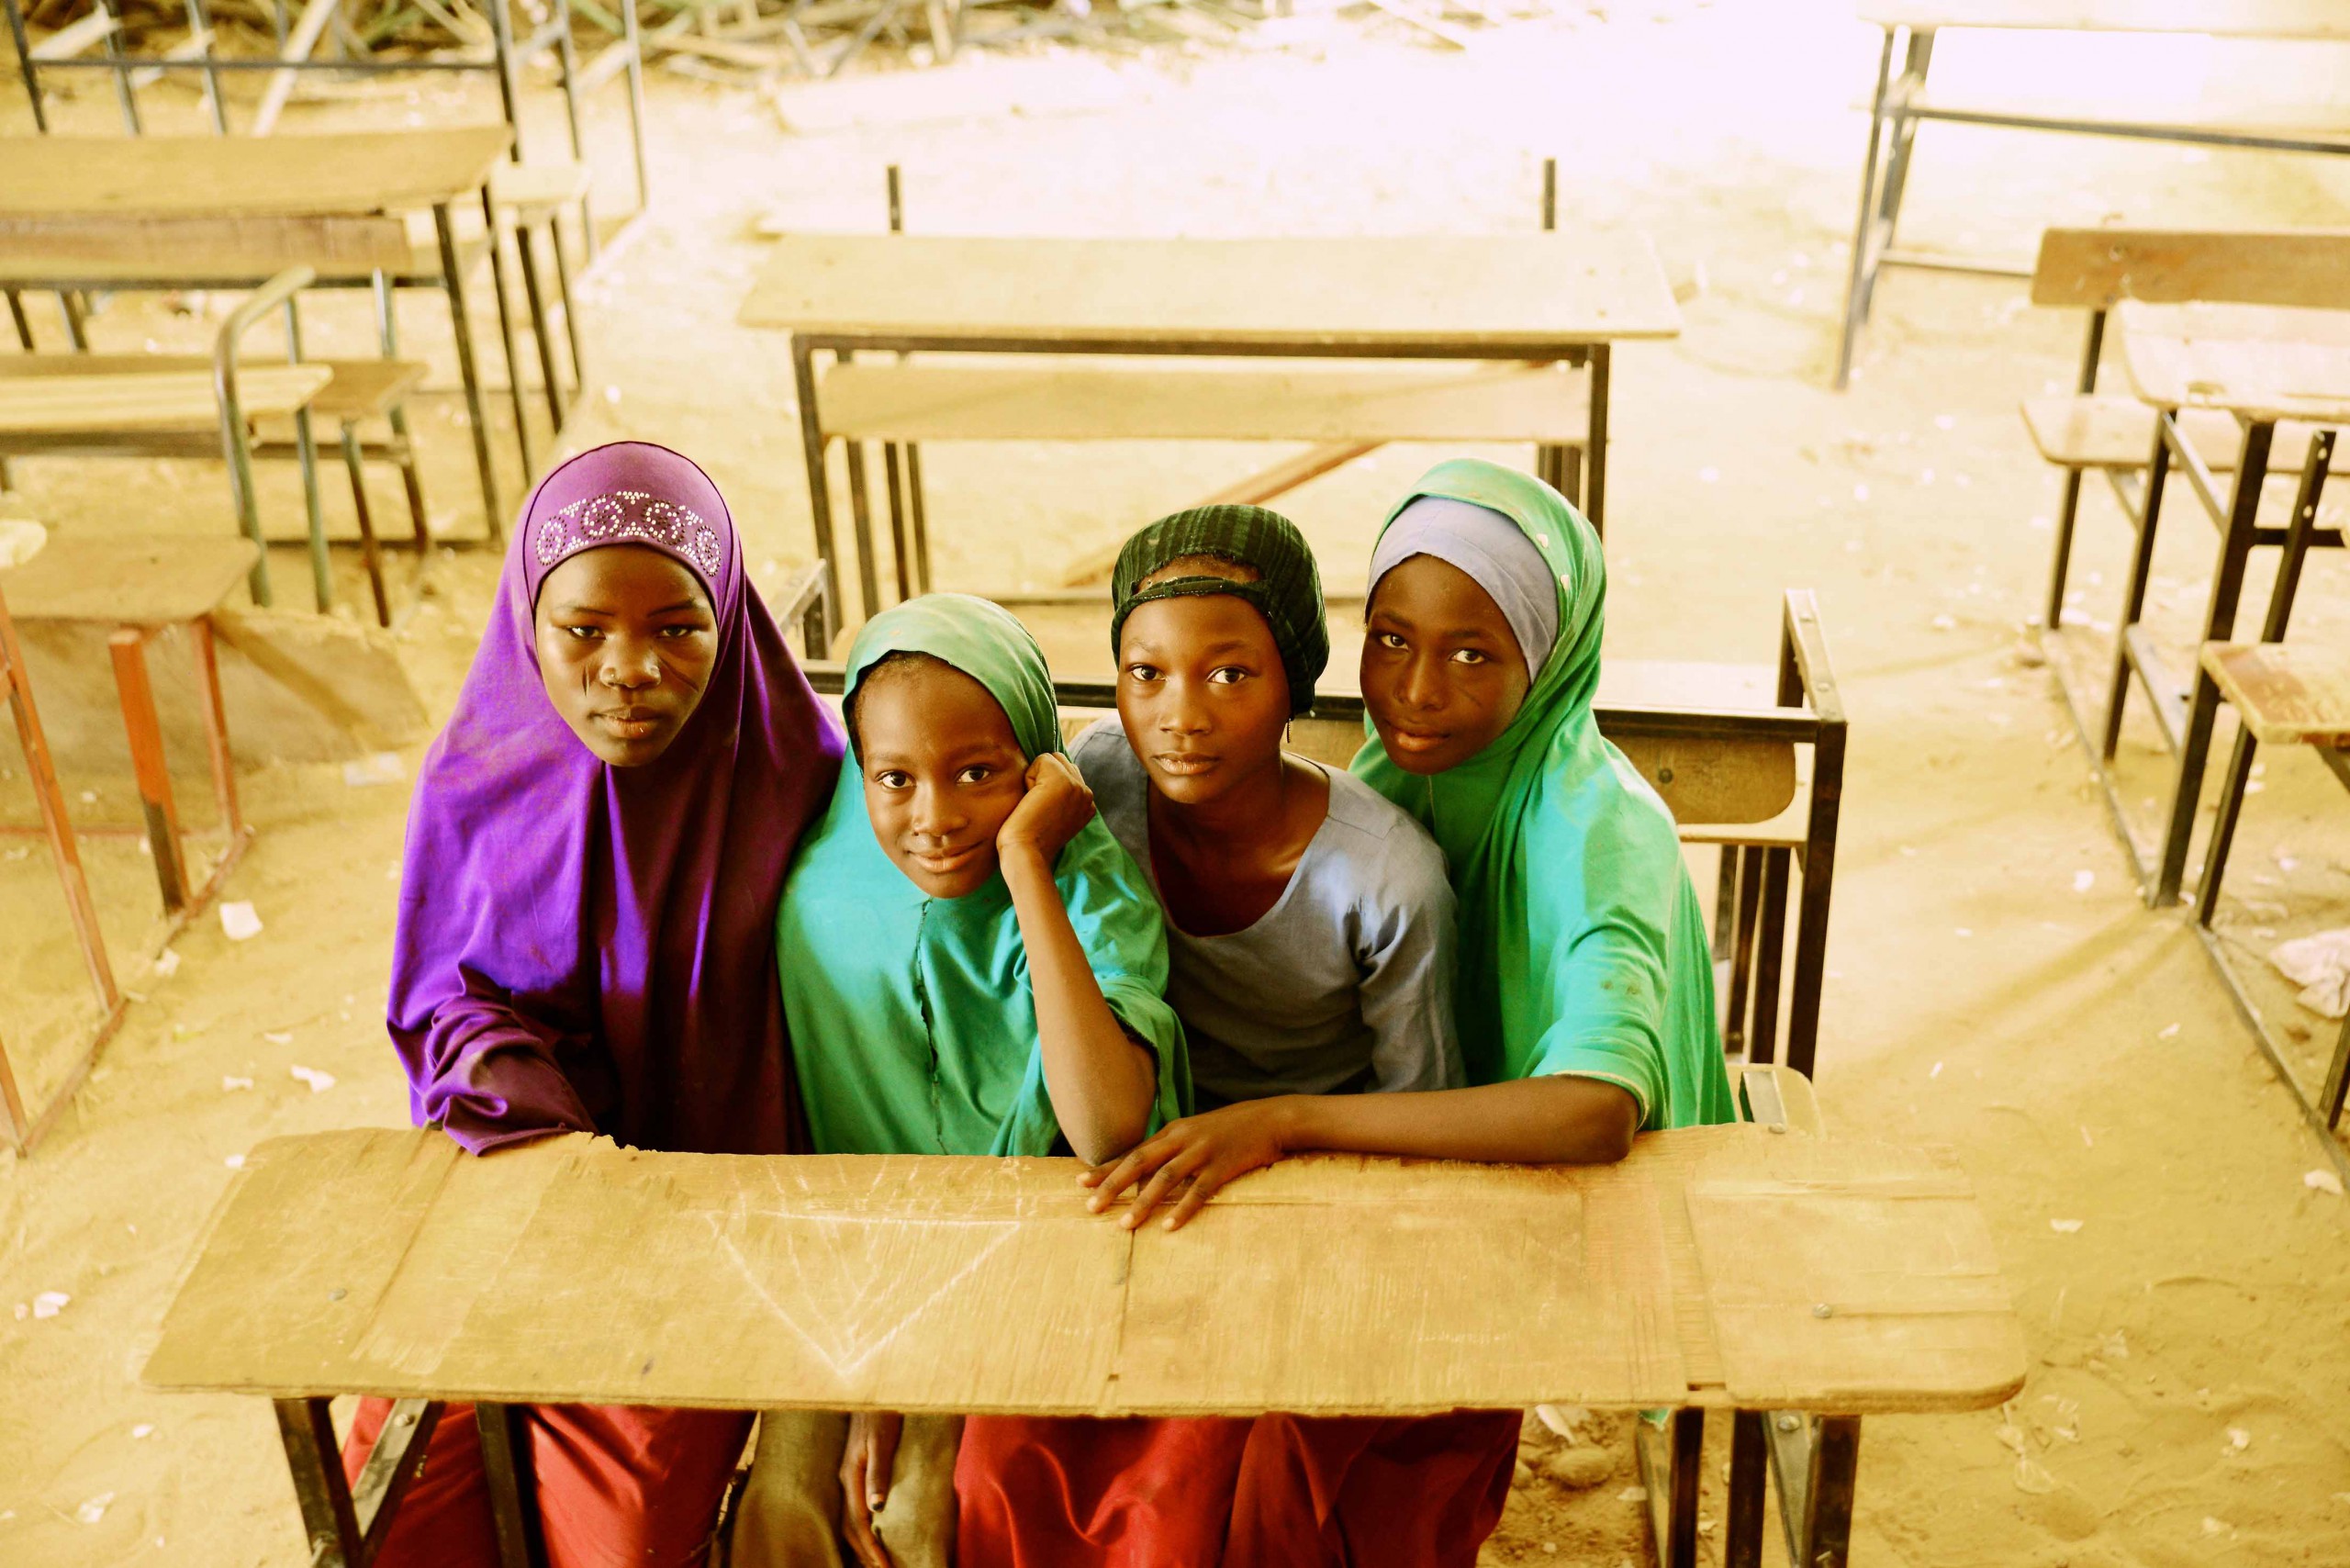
[(1198, 1154), (1055, 807), (864, 1482)]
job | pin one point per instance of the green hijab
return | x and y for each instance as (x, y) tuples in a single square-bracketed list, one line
[(912, 1026), (1582, 949)]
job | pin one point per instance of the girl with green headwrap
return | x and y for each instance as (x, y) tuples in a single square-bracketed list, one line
[(971, 965)]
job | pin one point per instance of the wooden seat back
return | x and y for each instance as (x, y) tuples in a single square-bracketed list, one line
[(2097, 269)]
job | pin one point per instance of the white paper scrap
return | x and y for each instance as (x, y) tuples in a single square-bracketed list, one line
[(320, 1082), (2322, 1182), (239, 921), (49, 1303), (375, 768)]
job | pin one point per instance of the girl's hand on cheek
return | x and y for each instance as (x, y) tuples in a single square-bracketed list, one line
[(1197, 1155), (1057, 806)]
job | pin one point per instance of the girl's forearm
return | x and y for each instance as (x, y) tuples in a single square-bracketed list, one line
[(1103, 1084), (1555, 1120)]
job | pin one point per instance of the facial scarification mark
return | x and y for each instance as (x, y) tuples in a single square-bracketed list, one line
[(858, 1281)]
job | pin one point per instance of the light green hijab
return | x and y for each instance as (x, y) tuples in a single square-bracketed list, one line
[(912, 1026), (1582, 949)]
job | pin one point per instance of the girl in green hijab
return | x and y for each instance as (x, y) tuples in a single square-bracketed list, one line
[(971, 965)]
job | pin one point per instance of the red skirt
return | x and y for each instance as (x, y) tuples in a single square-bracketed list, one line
[(1277, 1492), (619, 1486), (1037, 1492)]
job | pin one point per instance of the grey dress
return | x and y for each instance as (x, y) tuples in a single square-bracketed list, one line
[(1345, 984)]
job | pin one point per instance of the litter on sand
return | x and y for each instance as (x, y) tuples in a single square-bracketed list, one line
[(375, 768), (239, 922), (167, 963), (235, 1162), (2322, 1182), (2320, 965), (278, 1037), (1633, 1494), (230, 1084), (2084, 881), (94, 1508), (320, 1082), (49, 1303), (2064, 1227), (2171, 1033)]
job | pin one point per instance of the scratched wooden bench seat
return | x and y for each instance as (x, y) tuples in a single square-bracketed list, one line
[(2283, 694), (1902, 103), (360, 391)]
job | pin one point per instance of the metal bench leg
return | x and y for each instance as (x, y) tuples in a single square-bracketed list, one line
[(513, 1503), (527, 255), (900, 551), (562, 292), (1743, 944), (2223, 825), (404, 455), (2337, 1080), (1817, 1461), (819, 490), (49, 796), (1862, 279), (634, 64), (2134, 596), (506, 335), (77, 331), (307, 1429), (367, 549), (1770, 949), (2219, 623), (2063, 566), (149, 765), (1901, 140), (24, 323), (1595, 502), (1742, 1530), (216, 729), (917, 508), (468, 373)]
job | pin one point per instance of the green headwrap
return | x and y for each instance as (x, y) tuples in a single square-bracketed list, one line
[(1582, 949), (1288, 592), (913, 1027)]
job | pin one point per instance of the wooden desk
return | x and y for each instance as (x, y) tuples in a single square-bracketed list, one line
[(138, 587), (1901, 104), (181, 211), (2259, 365), (1536, 298), (1728, 1268)]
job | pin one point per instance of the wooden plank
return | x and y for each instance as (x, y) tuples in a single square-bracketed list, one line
[(570, 1269), (2097, 269), (2255, 362), (106, 405), (884, 401), (75, 38), (2225, 18), (2286, 694), (2119, 433), (104, 248), (1558, 290), (343, 174), (535, 187), (128, 582)]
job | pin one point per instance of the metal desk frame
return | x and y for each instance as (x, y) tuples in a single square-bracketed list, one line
[(1895, 115)]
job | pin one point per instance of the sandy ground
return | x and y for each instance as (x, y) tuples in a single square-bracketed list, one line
[(1993, 982)]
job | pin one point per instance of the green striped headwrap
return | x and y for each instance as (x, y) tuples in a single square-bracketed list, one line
[(1288, 592)]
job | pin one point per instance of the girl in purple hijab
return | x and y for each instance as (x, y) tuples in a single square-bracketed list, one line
[(585, 936)]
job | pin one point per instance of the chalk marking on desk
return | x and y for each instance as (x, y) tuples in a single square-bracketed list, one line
[(845, 1361)]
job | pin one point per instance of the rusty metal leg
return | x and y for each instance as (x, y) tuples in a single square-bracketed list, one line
[(404, 449), (1770, 952), (1742, 944), (1688, 1474), (49, 796), (393, 1465), (128, 647), (216, 729), (367, 549), (1742, 1530), (1595, 502), (1835, 1470), (308, 1430), (513, 1503)]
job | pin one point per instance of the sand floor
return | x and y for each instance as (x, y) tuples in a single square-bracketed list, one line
[(1993, 982)]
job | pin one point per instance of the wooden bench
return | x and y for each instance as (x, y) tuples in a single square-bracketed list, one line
[(23, 1125), (140, 587), (2283, 695), (1902, 103), (359, 391), (2229, 342)]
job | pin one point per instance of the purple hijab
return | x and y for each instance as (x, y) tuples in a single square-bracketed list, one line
[(583, 947)]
